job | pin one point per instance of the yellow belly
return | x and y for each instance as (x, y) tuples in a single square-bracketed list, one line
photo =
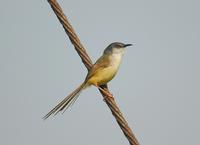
[(103, 76)]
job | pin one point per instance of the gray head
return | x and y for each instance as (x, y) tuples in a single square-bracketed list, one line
[(116, 47)]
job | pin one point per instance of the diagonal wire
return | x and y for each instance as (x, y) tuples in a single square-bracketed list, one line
[(72, 35), (88, 63)]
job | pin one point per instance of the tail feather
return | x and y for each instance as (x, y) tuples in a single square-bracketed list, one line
[(66, 102)]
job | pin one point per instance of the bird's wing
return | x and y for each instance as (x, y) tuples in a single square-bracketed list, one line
[(100, 64)]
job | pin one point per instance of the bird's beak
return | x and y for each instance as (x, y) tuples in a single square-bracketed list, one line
[(126, 45)]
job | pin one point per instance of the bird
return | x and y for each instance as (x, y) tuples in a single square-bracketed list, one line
[(103, 71)]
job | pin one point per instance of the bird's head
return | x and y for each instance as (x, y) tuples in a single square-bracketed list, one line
[(116, 47)]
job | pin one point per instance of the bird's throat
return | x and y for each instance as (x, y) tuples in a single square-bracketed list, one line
[(115, 60)]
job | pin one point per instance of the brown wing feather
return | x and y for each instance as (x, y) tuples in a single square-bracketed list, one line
[(101, 63)]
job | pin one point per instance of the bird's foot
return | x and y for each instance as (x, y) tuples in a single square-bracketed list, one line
[(105, 91)]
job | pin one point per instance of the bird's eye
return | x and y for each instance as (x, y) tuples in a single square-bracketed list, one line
[(119, 46)]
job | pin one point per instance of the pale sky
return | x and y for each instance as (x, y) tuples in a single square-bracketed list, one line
[(157, 87)]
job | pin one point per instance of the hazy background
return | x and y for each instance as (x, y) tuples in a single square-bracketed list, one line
[(157, 87)]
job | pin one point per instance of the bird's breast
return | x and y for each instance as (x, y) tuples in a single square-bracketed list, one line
[(115, 60), (104, 75)]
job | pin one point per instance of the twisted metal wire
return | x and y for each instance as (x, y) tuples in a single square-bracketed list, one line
[(88, 63), (71, 34)]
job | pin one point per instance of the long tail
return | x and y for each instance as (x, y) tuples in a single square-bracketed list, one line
[(66, 102)]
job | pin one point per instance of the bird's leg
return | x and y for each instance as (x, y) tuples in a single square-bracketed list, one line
[(104, 91)]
